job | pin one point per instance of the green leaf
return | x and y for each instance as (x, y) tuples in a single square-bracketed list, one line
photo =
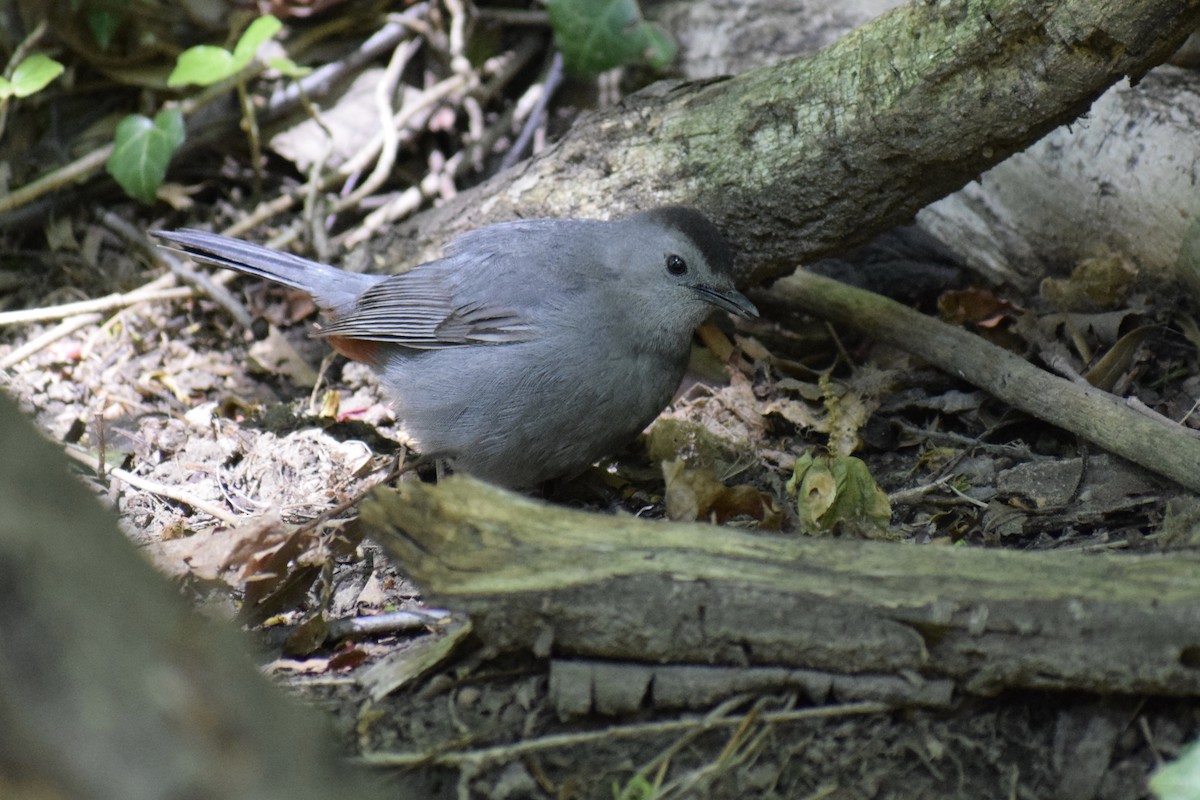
[(207, 64), (1180, 779), (288, 68), (104, 19), (596, 35), (32, 74), (256, 35), (658, 48), (203, 65), (838, 494), (638, 788), (142, 150)]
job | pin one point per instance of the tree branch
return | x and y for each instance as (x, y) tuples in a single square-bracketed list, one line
[(810, 155)]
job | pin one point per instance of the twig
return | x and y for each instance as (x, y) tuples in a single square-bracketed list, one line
[(65, 328), (389, 142), (744, 743), (174, 493), (661, 759), (510, 752), (320, 81), (201, 280), (1118, 425), (157, 290), (554, 79), (79, 169), (392, 622), (515, 16), (406, 202), (431, 96), (411, 198)]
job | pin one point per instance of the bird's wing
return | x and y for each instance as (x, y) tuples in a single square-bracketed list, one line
[(429, 308)]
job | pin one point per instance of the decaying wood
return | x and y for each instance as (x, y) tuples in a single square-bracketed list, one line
[(110, 686), (806, 156), (615, 688), (570, 584)]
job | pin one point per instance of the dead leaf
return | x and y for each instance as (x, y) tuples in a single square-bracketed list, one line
[(678, 439), (275, 354), (212, 556), (1103, 282), (976, 306), (1114, 363), (697, 494)]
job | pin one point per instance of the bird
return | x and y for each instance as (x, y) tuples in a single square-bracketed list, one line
[(532, 348)]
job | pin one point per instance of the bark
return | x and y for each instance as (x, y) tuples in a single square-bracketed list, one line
[(806, 156), (110, 686), (1121, 180), (570, 584)]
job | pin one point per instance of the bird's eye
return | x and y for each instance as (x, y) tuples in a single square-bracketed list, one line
[(676, 265)]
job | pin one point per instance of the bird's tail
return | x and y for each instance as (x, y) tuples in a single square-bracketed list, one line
[(332, 288)]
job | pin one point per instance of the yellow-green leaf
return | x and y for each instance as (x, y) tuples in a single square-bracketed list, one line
[(34, 73), (837, 494)]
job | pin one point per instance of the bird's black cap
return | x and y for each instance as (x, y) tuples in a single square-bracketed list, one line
[(697, 227)]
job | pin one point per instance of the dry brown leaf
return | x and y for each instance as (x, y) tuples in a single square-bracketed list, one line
[(214, 555), (697, 494)]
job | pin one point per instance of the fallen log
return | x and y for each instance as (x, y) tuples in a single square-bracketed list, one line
[(565, 583)]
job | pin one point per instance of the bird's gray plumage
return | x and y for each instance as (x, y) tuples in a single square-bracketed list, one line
[(531, 348)]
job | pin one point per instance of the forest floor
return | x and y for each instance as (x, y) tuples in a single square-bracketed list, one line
[(235, 458)]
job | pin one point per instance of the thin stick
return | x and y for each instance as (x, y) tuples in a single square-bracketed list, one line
[(174, 493), (201, 280), (554, 79), (389, 132), (510, 752), (37, 343), (153, 291)]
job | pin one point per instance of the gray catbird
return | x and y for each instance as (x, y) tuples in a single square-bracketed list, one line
[(532, 348)]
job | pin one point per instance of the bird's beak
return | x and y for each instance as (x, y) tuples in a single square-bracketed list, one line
[(731, 300)]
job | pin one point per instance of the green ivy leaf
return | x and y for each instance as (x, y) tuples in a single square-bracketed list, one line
[(255, 36), (596, 35), (288, 68), (142, 150), (102, 17), (203, 65), (33, 74), (207, 64)]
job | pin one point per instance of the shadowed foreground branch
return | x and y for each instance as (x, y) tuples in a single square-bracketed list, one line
[(110, 686)]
